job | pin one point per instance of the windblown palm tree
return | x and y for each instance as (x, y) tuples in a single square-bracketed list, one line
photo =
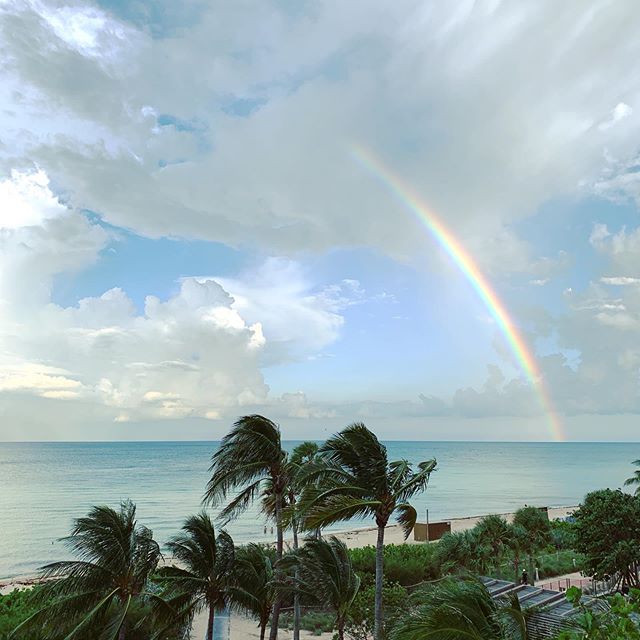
[(254, 591), (518, 545), (457, 609), (356, 480), (297, 466), (93, 594), (493, 531), (463, 551), (205, 575), (634, 480), (326, 575), (536, 523), (302, 455), (251, 461)]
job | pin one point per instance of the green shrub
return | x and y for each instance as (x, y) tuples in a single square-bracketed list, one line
[(315, 621), (15, 608), (563, 534), (561, 563), (361, 615), (19, 605), (406, 564)]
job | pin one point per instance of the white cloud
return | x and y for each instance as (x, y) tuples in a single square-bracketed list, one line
[(620, 111), (197, 353), (621, 247), (26, 200), (233, 160), (237, 128), (620, 281), (296, 318)]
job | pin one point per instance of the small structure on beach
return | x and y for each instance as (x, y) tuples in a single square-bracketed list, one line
[(431, 531), (551, 609)]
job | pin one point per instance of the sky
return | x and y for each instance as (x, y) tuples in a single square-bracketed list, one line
[(187, 234)]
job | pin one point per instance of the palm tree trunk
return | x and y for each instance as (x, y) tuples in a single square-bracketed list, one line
[(121, 633), (210, 624), (296, 597), (377, 625), (341, 628), (275, 616), (263, 629)]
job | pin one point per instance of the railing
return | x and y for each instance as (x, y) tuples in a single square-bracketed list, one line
[(589, 586)]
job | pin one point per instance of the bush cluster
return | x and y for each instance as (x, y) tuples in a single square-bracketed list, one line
[(404, 564)]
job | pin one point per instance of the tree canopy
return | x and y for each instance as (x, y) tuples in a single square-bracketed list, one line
[(608, 534)]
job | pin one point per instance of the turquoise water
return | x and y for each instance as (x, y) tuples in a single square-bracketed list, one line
[(43, 486)]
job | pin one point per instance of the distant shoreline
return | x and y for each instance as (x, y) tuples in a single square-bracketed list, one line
[(354, 538)]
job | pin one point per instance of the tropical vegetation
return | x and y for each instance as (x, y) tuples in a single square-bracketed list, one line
[(356, 480), (255, 589), (634, 480), (454, 609), (325, 576), (251, 461), (204, 575), (106, 584), (117, 586), (607, 533)]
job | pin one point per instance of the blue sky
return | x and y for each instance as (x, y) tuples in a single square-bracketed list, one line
[(185, 237)]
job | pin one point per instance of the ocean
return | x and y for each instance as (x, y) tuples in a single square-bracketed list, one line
[(43, 486)]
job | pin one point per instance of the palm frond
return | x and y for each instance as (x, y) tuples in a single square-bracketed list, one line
[(407, 516), (89, 617), (250, 450), (452, 609), (415, 482), (337, 508), (112, 627), (358, 450), (241, 502)]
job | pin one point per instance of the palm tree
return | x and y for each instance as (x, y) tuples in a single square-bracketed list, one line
[(635, 478), (254, 591), (297, 465), (494, 531), (356, 480), (301, 456), (326, 575), (206, 570), (251, 460), (536, 523), (455, 609), (115, 560), (463, 551), (518, 544)]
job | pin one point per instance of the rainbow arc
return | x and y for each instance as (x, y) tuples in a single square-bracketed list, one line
[(467, 265)]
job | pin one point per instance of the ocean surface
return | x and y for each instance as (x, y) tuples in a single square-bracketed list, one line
[(43, 486)]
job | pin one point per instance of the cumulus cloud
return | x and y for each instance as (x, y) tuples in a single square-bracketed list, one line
[(236, 124), (198, 352), (298, 319), (227, 153)]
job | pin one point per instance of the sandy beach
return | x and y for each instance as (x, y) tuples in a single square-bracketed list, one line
[(242, 627), (355, 538)]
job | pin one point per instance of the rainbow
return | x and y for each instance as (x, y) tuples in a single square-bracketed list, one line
[(466, 264)]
